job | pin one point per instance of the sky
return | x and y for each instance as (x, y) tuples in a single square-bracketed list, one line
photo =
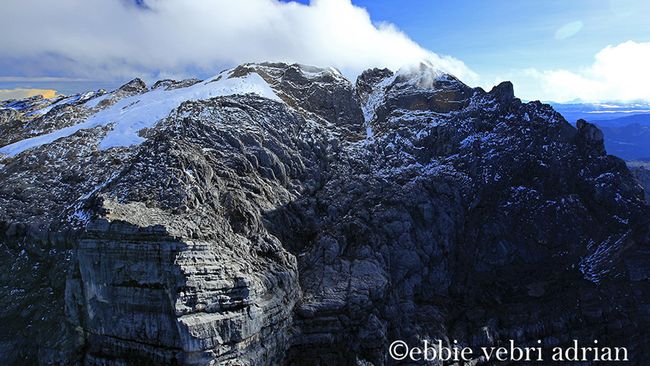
[(552, 50)]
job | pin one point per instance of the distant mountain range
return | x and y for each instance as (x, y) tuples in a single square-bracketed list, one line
[(626, 126), (600, 111)]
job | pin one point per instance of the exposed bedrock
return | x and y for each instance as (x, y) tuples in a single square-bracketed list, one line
[(317, 228)]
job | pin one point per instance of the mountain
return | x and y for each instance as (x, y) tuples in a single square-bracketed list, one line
[(630, 142), (641, 170), (627, 137), (626, 126), (640, 119), (601, 111), (279, 214), (643, 176)]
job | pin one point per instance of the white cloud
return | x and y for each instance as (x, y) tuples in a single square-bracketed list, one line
[(102, 39), (618, 73), (568, 30)]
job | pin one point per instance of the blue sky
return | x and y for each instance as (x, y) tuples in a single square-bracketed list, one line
[(551, 50), (495, 36)]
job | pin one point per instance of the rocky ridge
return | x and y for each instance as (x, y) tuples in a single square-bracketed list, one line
[(315, 227)]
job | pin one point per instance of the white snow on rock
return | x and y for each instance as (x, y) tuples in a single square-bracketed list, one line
[(92, 103), (311, 72), (64, 101), (132, 114), (376, 98), (421, 76)]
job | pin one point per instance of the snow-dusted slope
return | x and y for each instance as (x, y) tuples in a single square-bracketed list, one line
[(133, 114), (247, 231)]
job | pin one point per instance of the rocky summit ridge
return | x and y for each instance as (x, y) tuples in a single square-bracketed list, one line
[(280, 215)]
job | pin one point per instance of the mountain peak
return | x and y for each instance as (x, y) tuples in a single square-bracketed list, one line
[(245, 219), (134, 86), (503, 92)]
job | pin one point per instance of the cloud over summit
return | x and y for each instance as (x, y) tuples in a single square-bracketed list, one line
[(158, 38)]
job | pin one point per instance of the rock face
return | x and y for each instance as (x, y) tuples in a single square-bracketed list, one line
[(323, 95), (317, 228), (642, 174)]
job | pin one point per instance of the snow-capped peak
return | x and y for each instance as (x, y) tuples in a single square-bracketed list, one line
[(135, 113)]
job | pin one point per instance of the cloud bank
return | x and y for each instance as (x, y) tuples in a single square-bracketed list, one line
[(105, 40), (618, 73)]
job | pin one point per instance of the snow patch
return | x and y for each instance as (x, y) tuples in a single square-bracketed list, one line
[(375, 98), (312, 72), (64, 101), (132, 114), (92, 103)]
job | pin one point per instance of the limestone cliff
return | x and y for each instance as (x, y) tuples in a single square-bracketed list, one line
[(278, 214)]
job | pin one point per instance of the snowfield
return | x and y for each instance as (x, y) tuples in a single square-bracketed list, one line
[(132, 114)]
